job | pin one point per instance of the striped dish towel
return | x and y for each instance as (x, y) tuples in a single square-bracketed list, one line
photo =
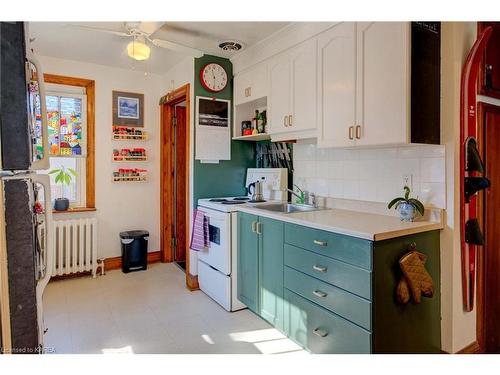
[(199, 236)]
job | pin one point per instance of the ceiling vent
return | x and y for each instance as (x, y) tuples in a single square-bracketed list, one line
[(230, 46)]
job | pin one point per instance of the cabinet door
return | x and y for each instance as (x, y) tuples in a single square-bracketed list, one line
[(383, 71), (336, 65), (304, 87), (490, 79), (251, 84), (271, 241), (279, 94), (248, 256)]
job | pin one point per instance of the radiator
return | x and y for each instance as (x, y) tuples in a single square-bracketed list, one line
[(76, 246)]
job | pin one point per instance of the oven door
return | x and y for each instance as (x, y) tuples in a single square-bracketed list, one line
[(218, 254)]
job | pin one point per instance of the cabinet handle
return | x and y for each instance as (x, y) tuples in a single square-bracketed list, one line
[(351, 132), (258, 228), (254, 226), (320, 332), (319, 293), (285, 121), (249, 91), (320, 243), (321, 269), (290, 123), (358, 131)]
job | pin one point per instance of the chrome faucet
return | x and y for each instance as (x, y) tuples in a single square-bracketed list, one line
[(303, 196)]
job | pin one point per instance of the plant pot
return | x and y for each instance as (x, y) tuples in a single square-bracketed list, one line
[(407, 212), (61, 204)]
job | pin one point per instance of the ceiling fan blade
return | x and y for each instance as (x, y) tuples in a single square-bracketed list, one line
[(149, 28), (107, 31), (177, 47)]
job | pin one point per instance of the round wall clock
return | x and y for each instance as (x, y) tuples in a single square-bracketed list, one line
[(213, 77)]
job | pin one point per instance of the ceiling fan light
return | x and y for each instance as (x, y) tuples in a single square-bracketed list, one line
[(138, 50)]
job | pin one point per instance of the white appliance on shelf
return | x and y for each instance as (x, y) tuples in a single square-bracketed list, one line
[(217, 266)]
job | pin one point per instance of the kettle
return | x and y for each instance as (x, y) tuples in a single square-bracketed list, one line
[(257, 195)]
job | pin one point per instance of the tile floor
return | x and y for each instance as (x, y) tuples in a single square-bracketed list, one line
[(150, 312)]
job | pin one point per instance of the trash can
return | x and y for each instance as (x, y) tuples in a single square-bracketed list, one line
[(134, 250)]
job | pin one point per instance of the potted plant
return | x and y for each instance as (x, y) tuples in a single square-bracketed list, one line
[(64, 178), (406, 206)]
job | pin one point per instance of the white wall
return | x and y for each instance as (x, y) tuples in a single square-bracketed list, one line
[(458, 328), (120, 206), (374, 175)]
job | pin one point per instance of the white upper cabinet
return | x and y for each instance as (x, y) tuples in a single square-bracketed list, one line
[(363, 84), (292, 92), (279, 94), (336, 105), (304, 87), (383, 84), (250, 84)]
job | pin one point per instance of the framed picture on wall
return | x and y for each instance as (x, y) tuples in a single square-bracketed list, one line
[(128, 109)]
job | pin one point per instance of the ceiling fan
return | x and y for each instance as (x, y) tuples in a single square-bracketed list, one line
[(140, 32)]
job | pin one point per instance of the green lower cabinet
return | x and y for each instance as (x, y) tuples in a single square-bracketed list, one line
[(321, 331), (248, 261), (271, 271)]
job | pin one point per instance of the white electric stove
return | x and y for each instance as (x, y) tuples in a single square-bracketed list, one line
[(217, 267)]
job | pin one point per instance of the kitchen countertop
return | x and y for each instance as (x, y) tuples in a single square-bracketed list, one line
[(369, 226)]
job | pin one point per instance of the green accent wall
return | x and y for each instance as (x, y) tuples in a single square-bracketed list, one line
[(228, 177)]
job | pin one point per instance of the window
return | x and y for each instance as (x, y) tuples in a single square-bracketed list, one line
[(66, 116)]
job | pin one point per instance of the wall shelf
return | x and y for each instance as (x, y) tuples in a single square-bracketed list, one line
[(128, 159), (129, 137), (142, 178), (253, 137)]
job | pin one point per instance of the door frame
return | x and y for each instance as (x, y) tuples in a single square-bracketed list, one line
[(482, 109), (167, 106)]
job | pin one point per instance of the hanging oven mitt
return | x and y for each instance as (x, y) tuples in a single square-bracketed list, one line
[(417, 277), (403, 291)]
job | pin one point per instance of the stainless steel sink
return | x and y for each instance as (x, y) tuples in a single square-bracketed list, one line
[(287, 208)]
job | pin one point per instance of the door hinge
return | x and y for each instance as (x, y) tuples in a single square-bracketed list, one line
[(174, 242), (174, 121)]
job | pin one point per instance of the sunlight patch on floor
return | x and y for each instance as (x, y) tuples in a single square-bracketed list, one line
[(268, 341), (124, 350), (257, 335), (207, 339)]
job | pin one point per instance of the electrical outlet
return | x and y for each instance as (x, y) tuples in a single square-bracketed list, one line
[(408, 180)]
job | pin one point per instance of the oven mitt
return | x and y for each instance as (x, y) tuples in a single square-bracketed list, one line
[(417, 277), (403, 291)]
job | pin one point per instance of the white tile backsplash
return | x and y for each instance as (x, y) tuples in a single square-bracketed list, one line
[(374, 175)]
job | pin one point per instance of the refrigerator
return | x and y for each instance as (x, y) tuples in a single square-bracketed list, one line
[(27, 233)]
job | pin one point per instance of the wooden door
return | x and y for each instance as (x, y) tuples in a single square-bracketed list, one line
[(271, 239), (490, 77), (248, 261), (279, 94), (492, 232), (181, 168), (383, 76), (304, 87), (336, 69)]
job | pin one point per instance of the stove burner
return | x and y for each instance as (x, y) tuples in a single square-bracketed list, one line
[(233, 202), (218, 200), (241, 199)]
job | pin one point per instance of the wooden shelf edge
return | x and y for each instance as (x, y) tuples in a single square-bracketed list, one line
[(253, 137), (75, 210)]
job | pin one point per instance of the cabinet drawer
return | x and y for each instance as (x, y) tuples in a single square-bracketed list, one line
[(321, 331), (345, 304), (353, 279), (345, 248)]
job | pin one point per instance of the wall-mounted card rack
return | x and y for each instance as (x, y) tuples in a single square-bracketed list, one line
[(130, 175), (126, 133)]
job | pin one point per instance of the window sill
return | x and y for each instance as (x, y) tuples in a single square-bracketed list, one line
[(75, 210)]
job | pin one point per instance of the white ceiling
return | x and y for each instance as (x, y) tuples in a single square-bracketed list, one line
[(63, 40)]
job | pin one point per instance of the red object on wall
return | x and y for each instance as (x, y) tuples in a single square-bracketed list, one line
[(468, 128)]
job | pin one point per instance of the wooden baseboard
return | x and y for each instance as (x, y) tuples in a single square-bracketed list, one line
[(116, 262), (192, 282), (472, 348)]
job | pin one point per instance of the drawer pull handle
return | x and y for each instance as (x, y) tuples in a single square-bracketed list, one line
[(321, 269), (320, 332), (320, 243), (319, 293)]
